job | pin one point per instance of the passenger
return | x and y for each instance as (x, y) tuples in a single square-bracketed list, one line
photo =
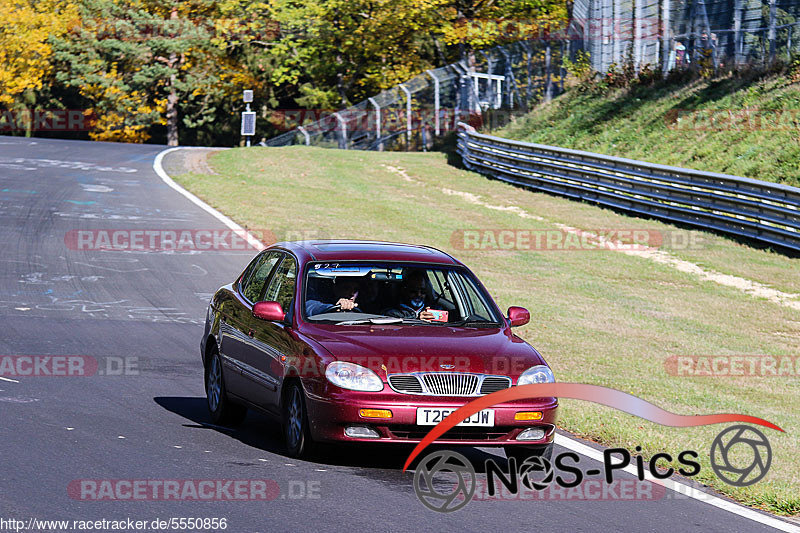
[(413, 295), (345, 292)]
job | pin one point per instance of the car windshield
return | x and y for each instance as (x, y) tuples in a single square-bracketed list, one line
[(366, 293)]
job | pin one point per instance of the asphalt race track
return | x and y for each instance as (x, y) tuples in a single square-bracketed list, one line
[(146, 309)]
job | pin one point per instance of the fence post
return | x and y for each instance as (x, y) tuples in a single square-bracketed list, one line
[(435, 101), (343, 129), (773, 16), (616, 29), (548, 93), (408, 115), (638, 15), (737, 33), (666, 48), (529, 73), (377, 123), (305, 135), (607, 17)]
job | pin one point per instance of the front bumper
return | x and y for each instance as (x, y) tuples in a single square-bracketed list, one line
[(330, 414)]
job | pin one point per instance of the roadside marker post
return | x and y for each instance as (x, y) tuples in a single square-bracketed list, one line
[(248, 118)]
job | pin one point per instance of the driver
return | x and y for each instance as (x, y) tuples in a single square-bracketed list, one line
[(413, 293), (345, 292)]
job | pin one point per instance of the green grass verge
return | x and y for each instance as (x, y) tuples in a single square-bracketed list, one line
[(672, 125), (598, 317)]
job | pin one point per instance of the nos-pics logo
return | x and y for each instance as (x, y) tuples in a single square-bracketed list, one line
[(446, 481)]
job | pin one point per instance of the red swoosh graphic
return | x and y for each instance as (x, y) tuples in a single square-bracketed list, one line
[(622, 401)]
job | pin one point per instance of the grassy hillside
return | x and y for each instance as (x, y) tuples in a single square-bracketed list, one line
[(600, 317), (746, 126)]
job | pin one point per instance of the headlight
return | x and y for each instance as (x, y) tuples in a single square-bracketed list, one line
[(353, 377), (536, 374)]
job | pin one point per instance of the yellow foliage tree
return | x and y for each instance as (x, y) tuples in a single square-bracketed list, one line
[(25, 52)]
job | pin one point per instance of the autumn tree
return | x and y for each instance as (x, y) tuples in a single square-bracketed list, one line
[(25, 52), (333, 51), (157, 62)]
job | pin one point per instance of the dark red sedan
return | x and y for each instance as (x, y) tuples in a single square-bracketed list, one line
[(370, 342)]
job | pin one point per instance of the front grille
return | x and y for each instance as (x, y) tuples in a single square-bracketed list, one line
[(406, 383), (494, 383), (447, 383), (450, 383)]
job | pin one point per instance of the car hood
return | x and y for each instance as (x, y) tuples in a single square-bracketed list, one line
[(403, 348)]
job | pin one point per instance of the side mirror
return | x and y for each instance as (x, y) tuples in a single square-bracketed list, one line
[(270, 311), (518, 316)]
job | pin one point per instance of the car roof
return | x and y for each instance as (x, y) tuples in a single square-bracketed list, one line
[(355, 250)]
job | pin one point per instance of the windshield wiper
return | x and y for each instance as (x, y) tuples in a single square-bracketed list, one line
[(374, 320), (473, 323)]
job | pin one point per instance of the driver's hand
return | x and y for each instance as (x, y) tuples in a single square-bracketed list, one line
[(426, 314), (346, 305)]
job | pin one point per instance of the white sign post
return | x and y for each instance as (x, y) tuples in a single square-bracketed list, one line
[(248, 117)]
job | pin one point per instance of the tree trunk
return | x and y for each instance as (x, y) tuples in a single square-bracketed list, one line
[(172, 113), (172, 97)]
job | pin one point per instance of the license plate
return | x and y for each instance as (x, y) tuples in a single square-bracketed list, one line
[(430, 416)]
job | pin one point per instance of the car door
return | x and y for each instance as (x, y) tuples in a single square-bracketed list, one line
[(236, 323), (271, 340)]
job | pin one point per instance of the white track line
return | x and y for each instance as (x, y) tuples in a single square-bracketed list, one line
[(9, 380), (561, 440), (159, 169)]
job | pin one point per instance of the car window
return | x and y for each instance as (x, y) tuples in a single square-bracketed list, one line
[(426, 294), (476, 307), (254, 284), (281, 286)]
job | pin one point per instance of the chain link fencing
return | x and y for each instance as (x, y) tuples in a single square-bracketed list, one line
[(674, 34), (410, 116)]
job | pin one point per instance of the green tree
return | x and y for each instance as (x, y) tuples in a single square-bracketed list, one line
[(333, 51), (149, 62)]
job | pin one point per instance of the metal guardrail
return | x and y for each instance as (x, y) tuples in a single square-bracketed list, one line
[(767, 212)]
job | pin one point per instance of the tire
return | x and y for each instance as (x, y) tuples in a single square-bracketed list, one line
[(223, 411), (295, 422), (520, 453)]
